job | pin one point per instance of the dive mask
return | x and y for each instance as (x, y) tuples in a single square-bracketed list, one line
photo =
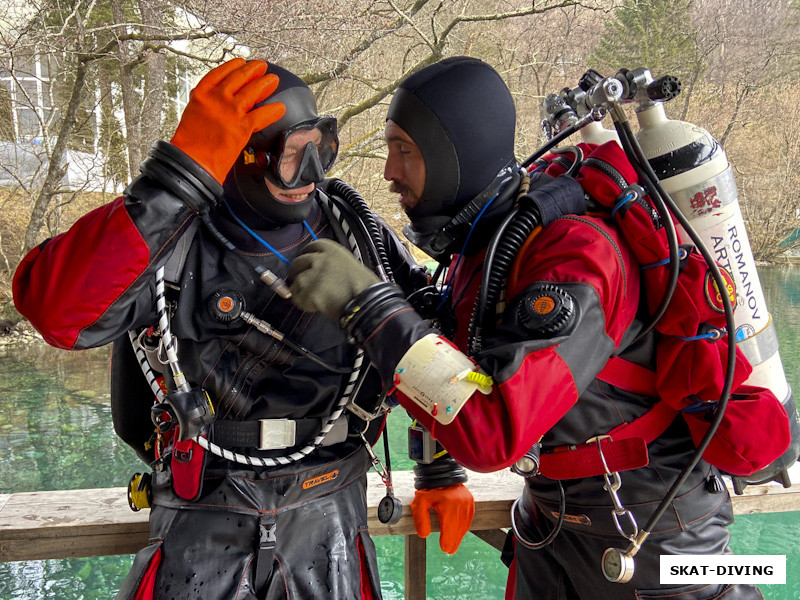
[(301, 155)]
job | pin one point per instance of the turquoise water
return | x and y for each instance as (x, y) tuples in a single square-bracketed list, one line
[(55, 433)]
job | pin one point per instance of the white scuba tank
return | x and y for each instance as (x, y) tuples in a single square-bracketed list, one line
[(595, 133), (694, 171)]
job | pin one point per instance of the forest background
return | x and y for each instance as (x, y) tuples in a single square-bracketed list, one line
[(738, 62)]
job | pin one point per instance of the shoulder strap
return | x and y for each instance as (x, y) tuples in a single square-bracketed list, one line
[(174, 266), (148, 360), (629, 376)]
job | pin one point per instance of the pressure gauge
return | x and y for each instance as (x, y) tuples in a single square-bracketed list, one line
[(617, 565), (390, 509)]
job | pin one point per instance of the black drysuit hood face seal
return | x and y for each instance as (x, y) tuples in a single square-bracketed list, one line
[(461, 115), (273, 155)]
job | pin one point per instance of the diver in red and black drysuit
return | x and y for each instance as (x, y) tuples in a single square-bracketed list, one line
[(530, 386), (234, 196)]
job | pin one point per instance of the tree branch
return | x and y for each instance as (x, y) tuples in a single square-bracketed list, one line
[(345, 62)]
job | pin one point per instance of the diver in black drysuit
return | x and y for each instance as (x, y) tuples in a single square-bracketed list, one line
[(219, 529)]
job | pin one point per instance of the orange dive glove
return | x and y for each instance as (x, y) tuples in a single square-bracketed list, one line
[(455, 506), (217, 121)]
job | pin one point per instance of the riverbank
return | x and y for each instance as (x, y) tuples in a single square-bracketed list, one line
[(18, 334)]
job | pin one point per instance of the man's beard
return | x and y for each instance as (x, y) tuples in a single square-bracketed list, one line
[(397, 188)]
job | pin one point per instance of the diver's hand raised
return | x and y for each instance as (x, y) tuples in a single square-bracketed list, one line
[(219, 118)]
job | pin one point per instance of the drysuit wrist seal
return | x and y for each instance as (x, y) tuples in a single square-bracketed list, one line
[(364, 313), (182, 175), (440, 473)]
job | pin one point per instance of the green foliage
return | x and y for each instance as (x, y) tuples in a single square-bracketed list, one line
[(655, 34)]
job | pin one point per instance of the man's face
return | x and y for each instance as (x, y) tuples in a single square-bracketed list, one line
[(405, 167), (289, 196), (290, 162)]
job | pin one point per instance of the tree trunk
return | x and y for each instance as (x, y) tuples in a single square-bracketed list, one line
[(153, 100), (55, 171), (130, 103)]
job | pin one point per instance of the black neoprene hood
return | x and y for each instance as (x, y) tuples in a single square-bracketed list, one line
[(461, 115), (245, 181)]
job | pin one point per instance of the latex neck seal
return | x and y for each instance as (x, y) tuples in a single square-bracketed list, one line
[(440, 236), (270, 213)]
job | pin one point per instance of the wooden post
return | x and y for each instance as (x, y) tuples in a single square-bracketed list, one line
[(416, 571)]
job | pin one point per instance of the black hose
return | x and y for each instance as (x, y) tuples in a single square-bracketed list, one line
[(500, 256), (555, 141), (576, 163), (476, 319), (374, 238), (653, 180), (501, 253), (562, 508), (630, 145), (707, 257)]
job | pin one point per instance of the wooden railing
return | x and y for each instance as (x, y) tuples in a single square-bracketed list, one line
[(80, 523)]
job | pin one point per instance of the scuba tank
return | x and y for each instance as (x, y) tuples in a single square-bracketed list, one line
[(694, 170), (595, 133), (687, 177)]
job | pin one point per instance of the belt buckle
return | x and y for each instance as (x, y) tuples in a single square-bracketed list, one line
[(276, 434)]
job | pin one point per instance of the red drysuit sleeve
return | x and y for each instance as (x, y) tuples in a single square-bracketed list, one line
[(79, 289), (538, 380)]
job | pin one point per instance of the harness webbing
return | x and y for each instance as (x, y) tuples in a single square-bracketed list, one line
[(169, 345)]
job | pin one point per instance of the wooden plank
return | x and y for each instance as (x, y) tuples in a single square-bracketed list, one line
[(66, 524), (494, 494), (75, 523), (769, 497)]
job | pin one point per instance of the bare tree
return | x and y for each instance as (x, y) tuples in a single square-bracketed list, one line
[(118, 55), (77, 38), (353, 54), (769, 188)]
